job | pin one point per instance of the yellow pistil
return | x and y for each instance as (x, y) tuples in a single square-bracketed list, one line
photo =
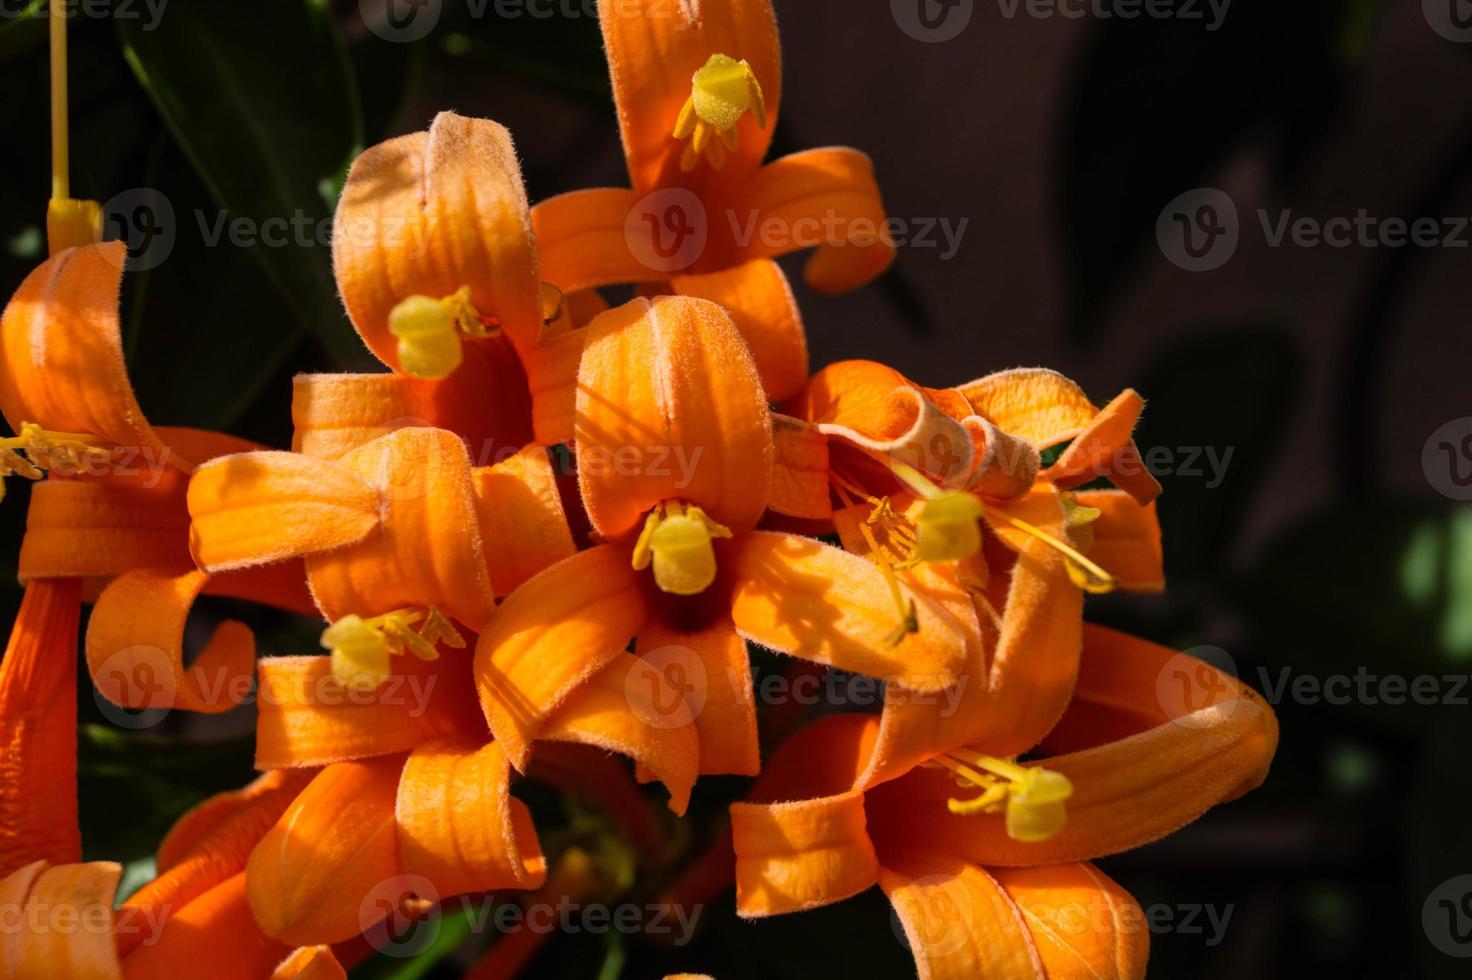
[(34, 450), (69, 222), (676, 539), (361, 648), (431, 332), (897, 551), (1034, 798), (721, 92)]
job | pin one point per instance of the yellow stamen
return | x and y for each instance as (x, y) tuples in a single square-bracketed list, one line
[(361, 648), (1083, 573), (34, 450), (676, 539), (1035, 798), (69, 222), (948, 528), (431, 332), (883, 554), (721, 92)]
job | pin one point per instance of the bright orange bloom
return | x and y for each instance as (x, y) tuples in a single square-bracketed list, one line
[(59, 921), (674, 443), (697, 87), (977, 891)]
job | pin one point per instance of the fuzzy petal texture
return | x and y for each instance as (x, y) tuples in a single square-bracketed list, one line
[(760, 301), (59, 922), (315, 875), (310, 963), (257, 508), (307, 718), (586, 240), (654, 48), (428, 213), (135, 646), (215, 935), (38, 729), (92, 529), (522, 521), (426, 550), (712, 669), (61, 352), (670, 406), (1036, 404), (799, 470), (1126, 539), (1105, 448), (808, 599), (549, 636), (1083, 925), (458, 825)]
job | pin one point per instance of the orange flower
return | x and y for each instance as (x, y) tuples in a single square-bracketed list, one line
[(674, 444), (434, 258), (1000, 882), (697, 87)]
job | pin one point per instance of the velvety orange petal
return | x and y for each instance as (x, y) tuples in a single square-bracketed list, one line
[(458, 825), (799, 470), (58, 922), (589, 773), (603, 711), (1104, 448), (670, 407), (586, 239), (549, 636), (135, 646), (209, 845), (552, 377), (1125, 794), (1036, 404), (255, 508), (808, 599), (826, 199), (712, 668), (316, 875), (760, 301), (1126, 539), (38, 729), (802, 840), (522, 521), (960, 923), (307, 718), (1083, 925), (485, 402), (282, 585), (427, 549), (215, 935), (654, 48), (310, 963), (95, 529), (61, 352), (428, 213)]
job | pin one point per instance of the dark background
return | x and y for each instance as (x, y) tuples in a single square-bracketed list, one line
[(1326, 550)]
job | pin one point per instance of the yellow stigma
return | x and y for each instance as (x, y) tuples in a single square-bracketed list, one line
[(721, 92), (430, 332), (677, 540), (361, 648), (949, 528), (1034, 798), (33, 450)]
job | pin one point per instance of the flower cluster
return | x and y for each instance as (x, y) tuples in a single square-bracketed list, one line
[(940, 540)]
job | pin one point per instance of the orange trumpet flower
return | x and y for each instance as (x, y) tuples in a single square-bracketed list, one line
[(1000, 882)]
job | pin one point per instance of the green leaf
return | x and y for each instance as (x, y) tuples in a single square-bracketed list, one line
[(1215, 408), (132, 786), (266, 135)]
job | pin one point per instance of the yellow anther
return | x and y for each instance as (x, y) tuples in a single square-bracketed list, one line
[(71, 223), (361, 648), (949, 527), (1035, 798), (676, 539), (721, 92), (431, 331), (33, 450)]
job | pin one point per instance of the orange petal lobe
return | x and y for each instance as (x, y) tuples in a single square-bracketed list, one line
[(59, 922), (310, 963), (215, 935), (712, 668), (522, 521), (760, 301), (1083, 925)]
